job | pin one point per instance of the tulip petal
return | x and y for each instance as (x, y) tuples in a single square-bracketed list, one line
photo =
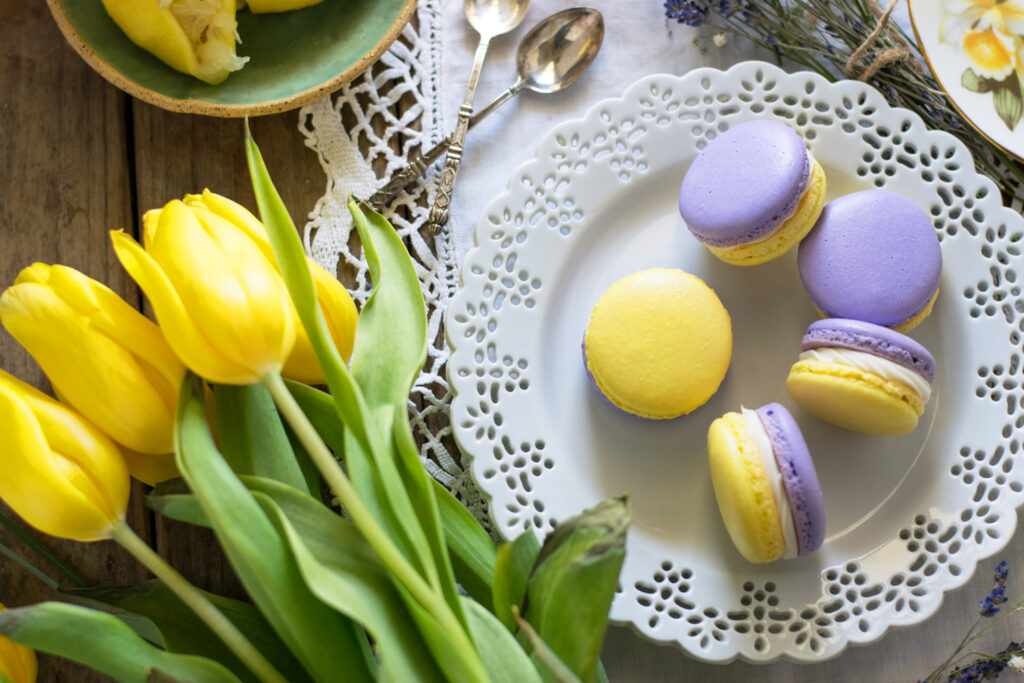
[(230, 290), (151, 469), (338, 308), (129, 400), (187, 340), (235, 213), (48, 491)]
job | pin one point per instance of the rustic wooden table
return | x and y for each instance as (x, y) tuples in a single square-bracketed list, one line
[(78, 158)]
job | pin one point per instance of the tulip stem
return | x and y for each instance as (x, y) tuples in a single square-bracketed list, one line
[(390, 555), (198, 603)]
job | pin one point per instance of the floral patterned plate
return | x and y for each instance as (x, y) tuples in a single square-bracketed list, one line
[(975, 49), (907, 518)]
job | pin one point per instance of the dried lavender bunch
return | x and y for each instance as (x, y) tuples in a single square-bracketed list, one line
[(821, 35)]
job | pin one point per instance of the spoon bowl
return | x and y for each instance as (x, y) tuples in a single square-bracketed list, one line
[(550, 57), (559, 49), (494, 17)]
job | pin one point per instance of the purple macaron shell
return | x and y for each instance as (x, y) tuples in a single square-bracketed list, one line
[(798, 476), (874, 256), (874, 339), (744, 183)]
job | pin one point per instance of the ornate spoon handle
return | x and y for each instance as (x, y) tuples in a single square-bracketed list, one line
[(443, 198), (417, 167)]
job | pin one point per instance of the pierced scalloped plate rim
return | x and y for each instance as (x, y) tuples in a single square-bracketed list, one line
[(667, 611)]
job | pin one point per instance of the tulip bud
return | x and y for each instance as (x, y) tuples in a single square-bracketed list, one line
[(221, 304), (61, 474), (17, 662), (196, 37), (338, 308), (119, 372)]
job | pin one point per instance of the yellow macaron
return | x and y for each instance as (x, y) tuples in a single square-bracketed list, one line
[(658, 343)]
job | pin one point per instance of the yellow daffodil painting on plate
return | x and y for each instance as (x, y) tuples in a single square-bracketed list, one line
[(990, 37)]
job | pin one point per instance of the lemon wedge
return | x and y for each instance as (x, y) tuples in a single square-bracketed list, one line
[(195, 37)]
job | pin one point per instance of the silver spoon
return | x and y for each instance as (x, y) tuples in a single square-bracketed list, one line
[(551, 57), (490, 18)]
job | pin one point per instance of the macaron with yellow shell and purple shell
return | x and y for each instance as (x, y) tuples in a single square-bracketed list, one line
[(658, 343), (752, 193), (862, 377), (765, 484)]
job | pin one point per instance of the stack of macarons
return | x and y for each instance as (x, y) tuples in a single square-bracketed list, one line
[(659, 342)]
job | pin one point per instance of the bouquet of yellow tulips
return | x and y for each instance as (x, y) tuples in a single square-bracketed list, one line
[(359, 566)]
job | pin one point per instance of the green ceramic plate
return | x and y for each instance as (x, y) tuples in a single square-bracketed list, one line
[(294, 56)]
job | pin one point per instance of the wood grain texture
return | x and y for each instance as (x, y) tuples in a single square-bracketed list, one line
[(63, 184), (80, 158)]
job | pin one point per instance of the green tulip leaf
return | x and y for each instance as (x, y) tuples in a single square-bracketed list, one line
[(173, 499), (252, 438), (318, 636), (158, 676), (102, 642), (573, 582), (342, 570), (390, 349), (179, 630), (380, 491), (514, 563), (291, 260), (471, 550), (503, 657)]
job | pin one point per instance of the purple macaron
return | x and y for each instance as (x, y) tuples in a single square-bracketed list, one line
[(799, 477), (874, 339), (744, 184), (872, 256)]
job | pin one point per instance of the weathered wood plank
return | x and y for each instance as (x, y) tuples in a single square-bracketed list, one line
[(63, 184)]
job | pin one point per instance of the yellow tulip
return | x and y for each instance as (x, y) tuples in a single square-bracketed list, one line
[(195, 37), (61, 474), (119, 371), (221, 304), (17, 662), (265, 6), (335, 302)]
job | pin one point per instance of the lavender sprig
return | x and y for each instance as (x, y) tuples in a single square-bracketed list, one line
[(983, 666), (821, 36)]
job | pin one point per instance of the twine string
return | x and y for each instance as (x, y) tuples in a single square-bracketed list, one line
[(900, 53)]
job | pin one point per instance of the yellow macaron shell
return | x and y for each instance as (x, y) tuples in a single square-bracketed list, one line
[(658, 343), (744, 495), (853, 399), (787, 235)]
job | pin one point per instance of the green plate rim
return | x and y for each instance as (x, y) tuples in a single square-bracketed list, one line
[(194, 106)]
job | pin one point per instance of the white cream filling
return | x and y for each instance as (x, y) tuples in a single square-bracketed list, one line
[(876, 365), (771, 470)]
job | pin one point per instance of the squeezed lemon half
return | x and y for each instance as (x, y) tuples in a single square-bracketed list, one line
[(195, 37)]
